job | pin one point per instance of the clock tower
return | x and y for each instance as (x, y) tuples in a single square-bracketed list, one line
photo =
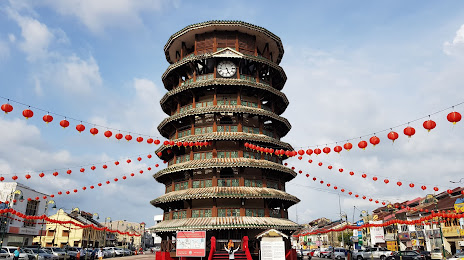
[(223, 87)]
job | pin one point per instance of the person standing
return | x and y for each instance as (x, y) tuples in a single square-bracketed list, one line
[(81, 253), (16, 254), (100, 254), (231, 252)]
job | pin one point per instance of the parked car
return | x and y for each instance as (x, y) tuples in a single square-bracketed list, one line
[(4, 253), (380, 252), (436, 254), (361, 254), (459, 256), (43, 255), (302, 253), (406, 255), (72, 252), (127, 251), (427, 255), (326, 253), (59, 252), (110, 251), (11, 249), (119, 251), (107, 253), (340, 253)]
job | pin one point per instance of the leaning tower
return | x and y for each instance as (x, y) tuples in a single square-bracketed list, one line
[(224, 87)]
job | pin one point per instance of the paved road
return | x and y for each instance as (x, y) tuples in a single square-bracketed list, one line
[(148, 256)]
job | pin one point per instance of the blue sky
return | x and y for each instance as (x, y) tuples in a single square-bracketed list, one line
[(353, 67)]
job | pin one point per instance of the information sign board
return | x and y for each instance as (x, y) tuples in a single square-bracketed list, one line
[(272, 250), (191, 244)]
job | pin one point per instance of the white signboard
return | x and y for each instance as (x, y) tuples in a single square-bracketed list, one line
[(191, 243), (355, 232), (272, 250), (377, 234)]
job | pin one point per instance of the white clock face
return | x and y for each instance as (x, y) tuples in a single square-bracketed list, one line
[(226, 68)]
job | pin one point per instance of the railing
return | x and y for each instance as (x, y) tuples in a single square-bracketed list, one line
[(248, 78), (205, 77), (230, 182)]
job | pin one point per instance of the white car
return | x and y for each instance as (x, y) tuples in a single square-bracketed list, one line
[(11, 249), (459, 256), (109, 251), (4, 253), (119, 251), (436, 254)]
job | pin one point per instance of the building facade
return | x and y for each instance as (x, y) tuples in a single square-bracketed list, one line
[(16, 231), (61, 235), (224, 87)]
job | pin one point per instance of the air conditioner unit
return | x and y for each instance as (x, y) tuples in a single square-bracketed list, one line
[(461, 243)]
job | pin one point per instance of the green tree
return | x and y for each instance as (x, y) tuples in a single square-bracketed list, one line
[(346, 238)]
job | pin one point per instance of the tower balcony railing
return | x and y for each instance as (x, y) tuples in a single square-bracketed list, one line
[(232, 102), (228, 182)]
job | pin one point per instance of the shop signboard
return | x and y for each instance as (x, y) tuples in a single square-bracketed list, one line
[(459, 205), (377, 234), (403, 236), (191, 244)]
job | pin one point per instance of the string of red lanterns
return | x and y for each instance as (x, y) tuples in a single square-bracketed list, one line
[(81, 169), (54, 221), (80, 127), (420, 221), (76, 190)]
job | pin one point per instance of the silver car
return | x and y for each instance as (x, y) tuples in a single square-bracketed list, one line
[(43, 255), (4, 253)]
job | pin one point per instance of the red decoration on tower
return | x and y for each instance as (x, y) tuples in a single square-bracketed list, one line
[(128, 137), (28, 176), (301, 152), (337, 149), (348, 146), (429, 125), (326, 150), (409, 131), (139, 139), (392, 136), (64, 123), (118, 136), (449, 191), (317, 151), (27, 113), (7, 108), (374, 140), (94, 131), (108, 133), (80, 128), (157, 142), (362, 145), (150, 140), (454, 117), (309, 151), (47, 118)]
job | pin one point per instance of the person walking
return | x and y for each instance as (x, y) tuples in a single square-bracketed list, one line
[(100, 254), (231, 252), (16, 254)]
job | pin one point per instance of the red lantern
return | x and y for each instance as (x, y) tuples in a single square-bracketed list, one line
[(149, 156), (409, 131), (374, 178), (41, 175), (115, 179), (364, 175), (309, 151), (44, 197), (310, 161), (94, 131), (157, 142), (67, 192), (68, 171), (314, 178), (370, 199), (330, 167), (64, 123), (99, 184), (429, 125), (351, 173), (28, 176), (108, 133), (128, 161), (317, 151), (75, 190), (80, 128), (139, 139), (350, 193), (118, 136), (104, 166), (93, 168), (27, 113), (348, 146), (338, 149), (141, 171), (300, 157), (132, 174), (82, 170), (322, 182), (386, 181), (47, 118), (107, 182), (128, 137), (84, 188), (307, 175), (449, 191), (454, 117), (362, 145), (320, 164), (340, 170), (435, 188), (399, 183), (91, 187), (116, 163), (124, 177), (150, 140), (55, 174), (423, 187), (326, 150), (7, 108), (59, 192), (392, 136), (301, 152), (411, 185), (374, 140), (156, 165), (342, 190)]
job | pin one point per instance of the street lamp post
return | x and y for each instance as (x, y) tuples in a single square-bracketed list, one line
[(104, 239)]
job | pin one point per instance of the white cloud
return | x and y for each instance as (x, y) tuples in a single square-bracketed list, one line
[(38, 87), (4, 50), (455, 47), (36, 36), (98, 15), (12, 37), (77, 75)]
